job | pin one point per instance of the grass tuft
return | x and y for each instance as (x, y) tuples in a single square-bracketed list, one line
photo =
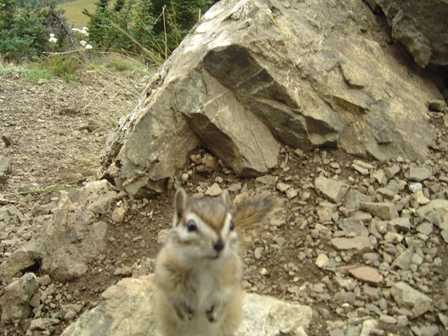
[(31, 72)]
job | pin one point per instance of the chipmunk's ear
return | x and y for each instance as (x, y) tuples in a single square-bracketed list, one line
[(225, 196), (180, 202)]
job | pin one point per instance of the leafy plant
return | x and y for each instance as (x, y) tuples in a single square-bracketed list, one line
[(25, 30), (65, 67), (148, 27)]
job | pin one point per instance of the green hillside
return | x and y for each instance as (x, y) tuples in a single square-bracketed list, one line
[(73, 11)]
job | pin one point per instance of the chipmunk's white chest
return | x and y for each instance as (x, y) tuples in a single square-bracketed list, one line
[(205, 285)]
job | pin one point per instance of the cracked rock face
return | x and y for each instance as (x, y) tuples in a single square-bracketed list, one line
[(421, 26), (257, 74)]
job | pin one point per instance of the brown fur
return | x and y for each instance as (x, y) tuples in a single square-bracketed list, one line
[(211, 210), (250, 210), (185, 283)]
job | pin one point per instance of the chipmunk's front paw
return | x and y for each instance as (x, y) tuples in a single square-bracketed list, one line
[(184, 311), (214, 312), (211, 314)]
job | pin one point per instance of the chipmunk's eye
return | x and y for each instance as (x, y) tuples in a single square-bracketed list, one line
[(232, 225), (191, 226)]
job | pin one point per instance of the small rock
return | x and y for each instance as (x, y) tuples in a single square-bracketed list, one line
[(267, 180), (425, 228), (119, 213), (404, 260), (299, 152), (417, 259), (5, 168), (235, 187), (380, 176), (258, 252), (444, 235), (426, 330), (358, 243), (401, 223), (17, 298), (210, 162), (384, 210), (360, 168), (44, 280), (327, 212), (6, 140), (214, 190), (392, 170), (264, 271), (123, 271), (388, 319), (354, 198), (283, 187), (43, 324), (17, 263), (332, 189), (419, 174), (322, 261), (371, 258), (367, 274), (445, 290), (353, 226), (437, 105), (369, 327), (414, 187), (292, 193), (407, 297), (420, 198), (444, 319)]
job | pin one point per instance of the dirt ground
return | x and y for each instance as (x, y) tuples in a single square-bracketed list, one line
[(57, 132)]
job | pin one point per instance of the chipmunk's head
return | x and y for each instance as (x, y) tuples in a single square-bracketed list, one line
[(204, 226)]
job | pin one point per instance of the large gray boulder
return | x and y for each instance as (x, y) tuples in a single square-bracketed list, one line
[(421, 26), (257, 73), (126, 310)]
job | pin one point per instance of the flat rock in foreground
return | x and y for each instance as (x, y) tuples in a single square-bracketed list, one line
[(126, 310), (256, 74)]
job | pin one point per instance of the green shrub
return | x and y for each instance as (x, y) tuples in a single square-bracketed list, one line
[(151, 27), (22, 33), (25, 30), (65, 67)]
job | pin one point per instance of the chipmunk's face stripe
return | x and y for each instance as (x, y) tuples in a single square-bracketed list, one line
[(203, 228), (226, 227)]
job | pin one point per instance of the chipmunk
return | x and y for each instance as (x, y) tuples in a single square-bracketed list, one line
[(198, 271)]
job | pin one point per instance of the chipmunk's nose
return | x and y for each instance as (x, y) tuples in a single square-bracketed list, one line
[(218, 246)]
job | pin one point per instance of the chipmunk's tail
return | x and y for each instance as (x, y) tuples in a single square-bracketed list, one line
[(252, 210)]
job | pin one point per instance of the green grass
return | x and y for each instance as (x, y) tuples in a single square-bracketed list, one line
[(33, 73), (73, 11), (121, 63)]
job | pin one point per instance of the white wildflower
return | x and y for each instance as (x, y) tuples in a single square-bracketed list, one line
[(52, 39), (83, 43), (83, 31), (88, 46)]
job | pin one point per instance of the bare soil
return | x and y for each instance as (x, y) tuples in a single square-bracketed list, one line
[(58, 131)]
